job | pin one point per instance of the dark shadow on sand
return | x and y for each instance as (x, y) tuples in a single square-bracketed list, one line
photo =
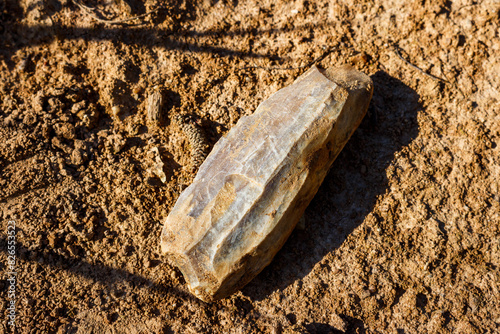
[(174, 38)]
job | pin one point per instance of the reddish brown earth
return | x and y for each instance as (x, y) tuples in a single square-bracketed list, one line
[(403, 236)]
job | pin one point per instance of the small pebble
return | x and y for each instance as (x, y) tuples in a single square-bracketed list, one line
[(77, 157), (364, 293), (360, 59), (78, 106), (52, 239), (116, 110), (23, 64)]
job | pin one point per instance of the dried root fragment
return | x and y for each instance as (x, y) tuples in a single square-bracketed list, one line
[(196, 139), (256, 183)]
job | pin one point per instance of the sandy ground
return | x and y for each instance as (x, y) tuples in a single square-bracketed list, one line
[(402, 237)]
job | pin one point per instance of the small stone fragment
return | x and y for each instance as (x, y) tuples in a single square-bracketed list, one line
[(158, 164), (78, 106), (116, 110), (255, 185), (360, 59), (77, 157), (155, 101), (23, 65), (38, 100), (53, 240)]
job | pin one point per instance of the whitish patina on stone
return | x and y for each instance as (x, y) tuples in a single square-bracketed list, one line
[(254, 186)]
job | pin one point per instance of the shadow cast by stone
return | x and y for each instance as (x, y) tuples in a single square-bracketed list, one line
[(349, 192), (51, 258), (318, 328)]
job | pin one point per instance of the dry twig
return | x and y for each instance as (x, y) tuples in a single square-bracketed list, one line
[(311, 63), (396, 50)]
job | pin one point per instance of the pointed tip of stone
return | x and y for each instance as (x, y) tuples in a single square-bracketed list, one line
[(359, 87), (349, 78)]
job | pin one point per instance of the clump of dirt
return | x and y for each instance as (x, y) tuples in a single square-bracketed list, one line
[(403, 236)]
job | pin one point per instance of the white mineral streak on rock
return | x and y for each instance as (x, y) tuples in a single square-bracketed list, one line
[(254, 186)]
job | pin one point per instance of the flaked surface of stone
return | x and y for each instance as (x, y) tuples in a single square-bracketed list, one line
[(254, 186)]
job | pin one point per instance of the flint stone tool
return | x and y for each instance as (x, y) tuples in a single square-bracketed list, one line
[(255, 185)]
